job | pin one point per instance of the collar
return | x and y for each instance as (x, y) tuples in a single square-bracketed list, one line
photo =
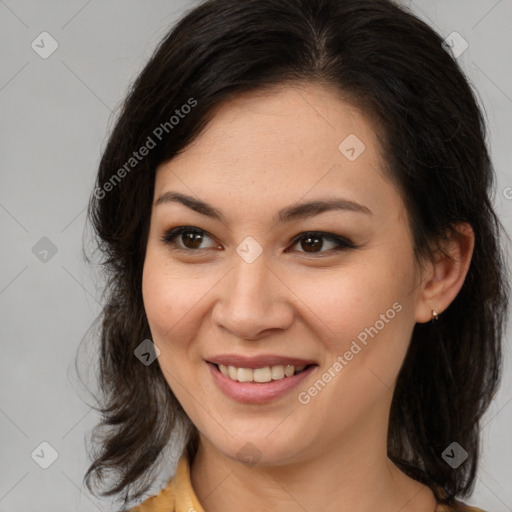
[(177, 496), (185, 496)]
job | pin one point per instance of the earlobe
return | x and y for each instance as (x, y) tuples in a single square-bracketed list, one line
[(447, 273)]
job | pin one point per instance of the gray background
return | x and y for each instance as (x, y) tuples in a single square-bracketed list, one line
[(55, 115)]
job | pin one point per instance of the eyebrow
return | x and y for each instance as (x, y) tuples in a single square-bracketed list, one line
[(287, 214)]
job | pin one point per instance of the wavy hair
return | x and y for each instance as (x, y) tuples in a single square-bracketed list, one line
[(394, 68)]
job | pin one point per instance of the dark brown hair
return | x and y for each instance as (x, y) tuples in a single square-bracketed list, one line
[(394, 68)]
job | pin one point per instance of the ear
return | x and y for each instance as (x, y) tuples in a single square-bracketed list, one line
[(444, 277)]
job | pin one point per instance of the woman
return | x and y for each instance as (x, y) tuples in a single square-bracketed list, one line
[(304, 269)]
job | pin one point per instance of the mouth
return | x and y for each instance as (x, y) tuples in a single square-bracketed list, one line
[(261, 375), (260, 385)]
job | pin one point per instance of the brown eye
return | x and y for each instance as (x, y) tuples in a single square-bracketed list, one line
[(314, 242), (311, 243), (186, 238), (191, 240)]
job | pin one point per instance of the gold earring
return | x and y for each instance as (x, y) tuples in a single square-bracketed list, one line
[(435, 316)]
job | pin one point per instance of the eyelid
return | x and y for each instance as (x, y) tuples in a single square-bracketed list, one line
[(340, 241)]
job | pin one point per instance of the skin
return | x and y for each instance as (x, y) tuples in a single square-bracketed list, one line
[(260, 153)]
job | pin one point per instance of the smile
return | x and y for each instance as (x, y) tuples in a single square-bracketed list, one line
[(265, 374), (258, 385)]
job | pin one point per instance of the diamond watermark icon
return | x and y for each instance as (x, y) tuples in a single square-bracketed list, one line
[(45, 455), (352, 147), (44, 45), (44, 250), (249, 454), (455, 44), (454, 455), (249, 249), (147, 352)]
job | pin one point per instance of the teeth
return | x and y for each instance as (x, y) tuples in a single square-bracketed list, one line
[(277, 372), (232, 372), (260, 374), (265, 374), (289, 370), (244, 375)]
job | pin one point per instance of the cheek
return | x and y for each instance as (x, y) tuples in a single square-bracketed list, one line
[(172, 301), (365, 316), (165, 298), (169, 300), (346, 302)]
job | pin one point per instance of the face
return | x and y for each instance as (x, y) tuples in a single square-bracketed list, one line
[(257, 279)]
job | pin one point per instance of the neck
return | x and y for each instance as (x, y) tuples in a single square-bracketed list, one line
[(355, 476)]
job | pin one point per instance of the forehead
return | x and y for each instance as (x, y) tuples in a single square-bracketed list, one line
[(283, 144)]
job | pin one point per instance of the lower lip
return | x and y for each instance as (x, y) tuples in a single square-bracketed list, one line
[(257, 392)]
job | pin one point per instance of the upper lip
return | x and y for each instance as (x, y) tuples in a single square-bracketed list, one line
[(258, 361)]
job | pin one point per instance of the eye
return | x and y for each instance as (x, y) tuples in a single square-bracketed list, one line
[(189, 236), (311, 242)]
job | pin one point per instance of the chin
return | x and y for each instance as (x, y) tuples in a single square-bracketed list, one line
[(259, 450)]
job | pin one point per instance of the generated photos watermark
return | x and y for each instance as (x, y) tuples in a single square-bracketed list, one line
[(137, 156), (304, 397)]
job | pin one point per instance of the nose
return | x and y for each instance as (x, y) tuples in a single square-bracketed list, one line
[(253, 300)]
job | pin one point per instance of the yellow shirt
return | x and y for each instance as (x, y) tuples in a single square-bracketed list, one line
[(179, 496)]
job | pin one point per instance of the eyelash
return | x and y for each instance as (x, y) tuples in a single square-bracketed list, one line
[(342, 243)]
